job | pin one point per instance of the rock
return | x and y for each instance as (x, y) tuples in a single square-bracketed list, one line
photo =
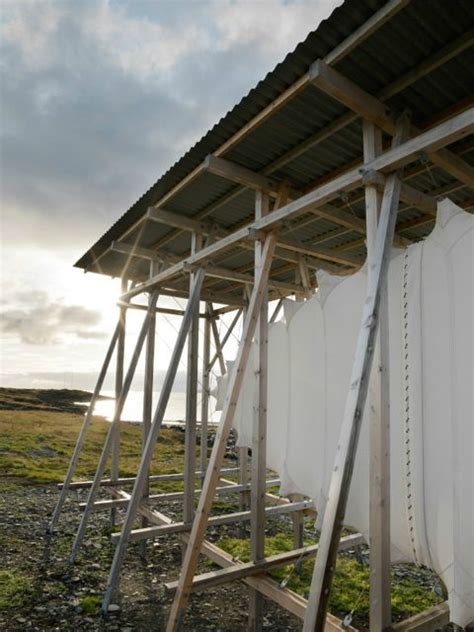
[(113, 608)]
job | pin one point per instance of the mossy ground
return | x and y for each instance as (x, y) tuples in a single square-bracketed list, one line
[(15, 590), (35, 447), (350, 592)]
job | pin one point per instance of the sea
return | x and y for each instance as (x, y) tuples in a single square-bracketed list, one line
[(133, 409)]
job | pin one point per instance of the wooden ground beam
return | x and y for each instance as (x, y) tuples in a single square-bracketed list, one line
[(153, 435), (67, 484), (238, 516), (107, 447), (171, 496), (259, 435), (220, 442), (247, 569), (333, 519), (119, 368)]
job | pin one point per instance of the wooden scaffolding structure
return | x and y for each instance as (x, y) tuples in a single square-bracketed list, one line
[(396, 155)]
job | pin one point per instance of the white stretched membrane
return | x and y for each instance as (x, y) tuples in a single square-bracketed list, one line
[(431, 321)]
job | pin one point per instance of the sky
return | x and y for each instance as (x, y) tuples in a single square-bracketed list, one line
[(98, 98)]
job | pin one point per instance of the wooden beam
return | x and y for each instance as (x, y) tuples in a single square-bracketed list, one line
[(345, 91), (191, 398), (259, 435), (434, 618), (241, 175), (218, 451), (349, 433), (247, 569), (119, 367), (240, 516), (205, 389)]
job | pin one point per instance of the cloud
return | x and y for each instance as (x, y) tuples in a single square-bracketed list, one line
[(43, 321)]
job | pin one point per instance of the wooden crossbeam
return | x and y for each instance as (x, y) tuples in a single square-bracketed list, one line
[(239, 571), (241, 175), (170, 496), (371, 108), (392, 159), (240, 516)]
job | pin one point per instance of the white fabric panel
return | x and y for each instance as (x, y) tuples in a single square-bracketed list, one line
[(431, 316)]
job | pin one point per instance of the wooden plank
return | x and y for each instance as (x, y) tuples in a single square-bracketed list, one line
[(218, 451), (152, 478), (110, 434), (226, 336), (349, 433), (240, 571), (218, 346), (434, 618), (68, 484), (239, 516), (151, 441)]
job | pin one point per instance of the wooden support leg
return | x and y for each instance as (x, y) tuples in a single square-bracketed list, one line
[(243, 455), (82, 435), (147, 455), (148, 395), (114, 466), (111, 433), (259, 439), (205, 391), (218, 451), (191, 403), (380, 603), (315, 616), (298, 529)]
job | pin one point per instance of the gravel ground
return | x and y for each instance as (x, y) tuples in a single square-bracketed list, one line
[(57, 590)]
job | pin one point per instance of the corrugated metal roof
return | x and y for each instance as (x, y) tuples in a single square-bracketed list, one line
[(418, 31)]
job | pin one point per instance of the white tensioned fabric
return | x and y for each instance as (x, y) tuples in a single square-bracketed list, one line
[(431, 320)]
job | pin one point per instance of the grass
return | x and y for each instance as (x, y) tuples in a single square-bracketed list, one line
[(350, 592), (90, 604), (15, 590), (35, 446)]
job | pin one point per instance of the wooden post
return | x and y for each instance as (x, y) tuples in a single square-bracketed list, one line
[(148, 392), (243, 458), (218, 451), (114, 466), (205, 390), (107, 447), (191, 400), (259, 438), (323, 572), (153, 435), (82, 435), (379, 418), (298, 529)]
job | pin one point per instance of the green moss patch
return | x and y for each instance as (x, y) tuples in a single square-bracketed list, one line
[(15, 590)]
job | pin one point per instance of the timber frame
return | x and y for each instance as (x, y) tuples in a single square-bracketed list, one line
[(362, 207)]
